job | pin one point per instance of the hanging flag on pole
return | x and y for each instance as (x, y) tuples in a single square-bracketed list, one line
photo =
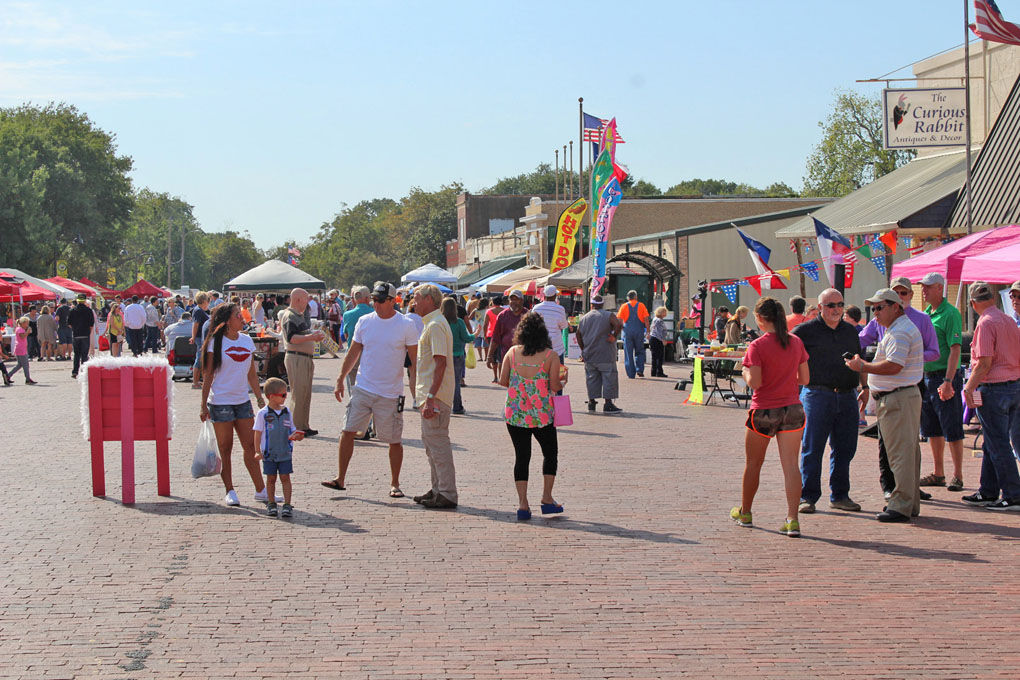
[(832, 246), (760, 254), (609, 199), (608, 139), (989, 24), (566, 235)]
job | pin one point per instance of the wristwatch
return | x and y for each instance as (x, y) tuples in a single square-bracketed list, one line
[(947, 380), (430, 396)]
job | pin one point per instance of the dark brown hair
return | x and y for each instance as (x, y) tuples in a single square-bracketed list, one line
[(531, 334), (772, 311), (217, 327)]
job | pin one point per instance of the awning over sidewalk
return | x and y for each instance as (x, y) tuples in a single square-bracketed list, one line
[(489, 268), (916, 197)]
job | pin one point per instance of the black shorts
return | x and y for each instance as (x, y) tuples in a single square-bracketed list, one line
[(769, 422)]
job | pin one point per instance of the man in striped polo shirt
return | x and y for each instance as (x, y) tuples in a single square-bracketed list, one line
[(893, 378)]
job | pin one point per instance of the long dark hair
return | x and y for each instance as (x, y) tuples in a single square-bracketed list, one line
[(771, 310), (531, 334), (217, 327), (448, 309)]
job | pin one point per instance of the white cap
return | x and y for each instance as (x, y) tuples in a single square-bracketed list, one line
[(550, 291), (932, 278)]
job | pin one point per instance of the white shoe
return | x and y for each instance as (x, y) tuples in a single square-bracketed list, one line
[(231, 498), (263, 496)]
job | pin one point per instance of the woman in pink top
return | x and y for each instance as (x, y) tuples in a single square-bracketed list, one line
[(21, 334), (774, 367)]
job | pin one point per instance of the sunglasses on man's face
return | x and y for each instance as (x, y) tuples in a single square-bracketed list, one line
[(1015, 296), (833, 305), (878, 308)]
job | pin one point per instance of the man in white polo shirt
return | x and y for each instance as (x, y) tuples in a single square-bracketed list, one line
[(893, 378), (380, 341), (555, 318)]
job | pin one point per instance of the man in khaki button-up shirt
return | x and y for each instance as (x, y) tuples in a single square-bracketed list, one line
[(434, 391)]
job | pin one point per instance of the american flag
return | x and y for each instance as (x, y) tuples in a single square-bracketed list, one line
[(989, 24), (793, 245), (593, 126), (293, 251), (850, 257), (916, 250)]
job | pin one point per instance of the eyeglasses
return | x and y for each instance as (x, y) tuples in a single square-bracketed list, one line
[(833, 305), (1015, 296), (878, 308), (904, 293)]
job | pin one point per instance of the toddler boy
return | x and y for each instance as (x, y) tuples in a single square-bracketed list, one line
[(274, 443)]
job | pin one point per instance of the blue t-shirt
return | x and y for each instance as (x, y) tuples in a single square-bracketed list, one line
[(351, 319)]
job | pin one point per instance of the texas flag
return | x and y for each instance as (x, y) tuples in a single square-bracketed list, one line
[(832, 246), (760, 255)]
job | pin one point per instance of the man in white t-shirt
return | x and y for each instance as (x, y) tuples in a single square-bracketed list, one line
[(380, 341), (555, 318)]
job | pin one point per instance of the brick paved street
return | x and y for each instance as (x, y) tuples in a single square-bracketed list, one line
[(644, 576)]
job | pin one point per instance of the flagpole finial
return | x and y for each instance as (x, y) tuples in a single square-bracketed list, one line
[(580, 99)]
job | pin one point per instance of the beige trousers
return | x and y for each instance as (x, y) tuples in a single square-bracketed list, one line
[(899, 419), (435, 437), (300, 370)]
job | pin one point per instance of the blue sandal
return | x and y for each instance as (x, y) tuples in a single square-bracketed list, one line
[(551, 508), (523, 515)]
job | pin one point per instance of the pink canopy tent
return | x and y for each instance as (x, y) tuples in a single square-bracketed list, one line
[(949, 259), (1001, 265)]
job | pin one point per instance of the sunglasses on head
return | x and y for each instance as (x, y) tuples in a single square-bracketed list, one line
[(833, 305)]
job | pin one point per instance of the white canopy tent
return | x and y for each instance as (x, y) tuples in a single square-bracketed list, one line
[(428, 273)]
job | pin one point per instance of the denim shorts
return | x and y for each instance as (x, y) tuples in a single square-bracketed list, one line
[(769, 422), (220, 413), (65, 335), (278, 467), (942, 418)]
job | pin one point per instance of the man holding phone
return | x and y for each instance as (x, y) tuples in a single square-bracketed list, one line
[(830, 404)]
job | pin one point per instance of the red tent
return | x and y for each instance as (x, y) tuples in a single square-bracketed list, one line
[(73, 285), (107, 292), (13, 291), (145, 289)]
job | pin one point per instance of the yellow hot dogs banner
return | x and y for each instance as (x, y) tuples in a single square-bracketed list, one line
[(566, 235)]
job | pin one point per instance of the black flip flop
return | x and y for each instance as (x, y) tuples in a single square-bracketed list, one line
[(333, 484)]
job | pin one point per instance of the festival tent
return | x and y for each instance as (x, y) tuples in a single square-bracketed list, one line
[(106, 292), (525, 273), (480, 285), (428, 273), (274, 275), (578, 273), (15, 289), (1001, 265), (145, 289), (76, 286), (56, 291), (948, 260)]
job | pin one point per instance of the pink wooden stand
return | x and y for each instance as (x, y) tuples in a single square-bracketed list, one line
[(128, 404)]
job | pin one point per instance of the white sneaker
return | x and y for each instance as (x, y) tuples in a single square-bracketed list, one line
[(231, 498), (263, 496)]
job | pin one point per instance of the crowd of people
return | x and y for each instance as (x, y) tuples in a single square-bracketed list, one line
[(811, 387)]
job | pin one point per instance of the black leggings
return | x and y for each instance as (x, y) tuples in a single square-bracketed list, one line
[(521, 437)]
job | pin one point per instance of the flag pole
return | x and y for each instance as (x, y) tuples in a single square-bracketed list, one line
[(557, 175), (571, 168), (966, 78), (580, 145)]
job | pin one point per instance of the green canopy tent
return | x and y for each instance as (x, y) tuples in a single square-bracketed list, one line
[(272, 276)]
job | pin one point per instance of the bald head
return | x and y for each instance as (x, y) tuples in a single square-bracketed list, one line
[(299, 300)]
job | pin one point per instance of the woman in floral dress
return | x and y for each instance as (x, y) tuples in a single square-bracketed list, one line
[(531, 374)]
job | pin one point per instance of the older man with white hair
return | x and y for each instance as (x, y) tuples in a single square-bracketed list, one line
[(893, 378), (299, 344)]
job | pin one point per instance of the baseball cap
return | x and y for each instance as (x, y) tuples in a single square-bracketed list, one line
[(1015, 286), (517, 294), (550, 291), (383, 290), (597, 300), (901, 281), (81, 296), (932, 278), (979, 291), (885, 295)]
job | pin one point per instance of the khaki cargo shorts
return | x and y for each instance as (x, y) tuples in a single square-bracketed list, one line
[(365, 407)]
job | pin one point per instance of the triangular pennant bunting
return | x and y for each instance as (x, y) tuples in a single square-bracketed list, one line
[(811, 269), (731, 292), (879, 262)]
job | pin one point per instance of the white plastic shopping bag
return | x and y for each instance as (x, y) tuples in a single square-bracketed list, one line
[(207, 454)]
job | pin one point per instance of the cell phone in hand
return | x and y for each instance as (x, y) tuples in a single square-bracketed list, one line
[(848, 355)]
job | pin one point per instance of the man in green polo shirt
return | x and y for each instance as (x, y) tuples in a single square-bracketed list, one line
[(942, 403)]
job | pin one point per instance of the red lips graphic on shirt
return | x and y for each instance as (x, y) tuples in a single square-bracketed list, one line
[(238, 354)]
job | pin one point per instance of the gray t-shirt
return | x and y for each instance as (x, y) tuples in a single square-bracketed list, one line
[(594, 328)]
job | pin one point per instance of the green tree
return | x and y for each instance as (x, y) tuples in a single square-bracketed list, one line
[(226, 254), (780, 190), (850, 153), (64, 191), (640, 188), (354, 248), (157, 221), (428, 221), (542, 180)]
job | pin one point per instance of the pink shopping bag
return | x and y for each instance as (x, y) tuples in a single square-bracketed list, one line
[(562, 415)]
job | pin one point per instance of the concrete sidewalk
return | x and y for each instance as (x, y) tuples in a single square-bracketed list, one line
[(643, 576)]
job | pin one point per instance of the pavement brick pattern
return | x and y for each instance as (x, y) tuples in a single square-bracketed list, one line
[(644, 576)]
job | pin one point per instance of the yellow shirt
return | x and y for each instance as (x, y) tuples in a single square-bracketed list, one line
[(436, 340)]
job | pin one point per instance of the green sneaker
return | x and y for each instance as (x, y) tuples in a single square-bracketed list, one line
[(740, 517), (791, 528)]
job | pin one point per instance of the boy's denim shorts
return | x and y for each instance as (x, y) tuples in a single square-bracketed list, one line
[(278, 467), (220, 413)]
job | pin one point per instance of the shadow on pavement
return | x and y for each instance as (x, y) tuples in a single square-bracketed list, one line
[(561, 522), (186, 507), (896, 549)]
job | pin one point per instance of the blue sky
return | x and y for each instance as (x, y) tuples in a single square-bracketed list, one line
[(268, 117)]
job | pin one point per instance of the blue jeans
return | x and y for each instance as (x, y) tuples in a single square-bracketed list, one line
[(459, 364), (152, 339), (832, 418), (998, 414), (633, 353)]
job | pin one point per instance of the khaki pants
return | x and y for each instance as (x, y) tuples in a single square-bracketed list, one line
[(435, 437), (899, 420), (300, 370)]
